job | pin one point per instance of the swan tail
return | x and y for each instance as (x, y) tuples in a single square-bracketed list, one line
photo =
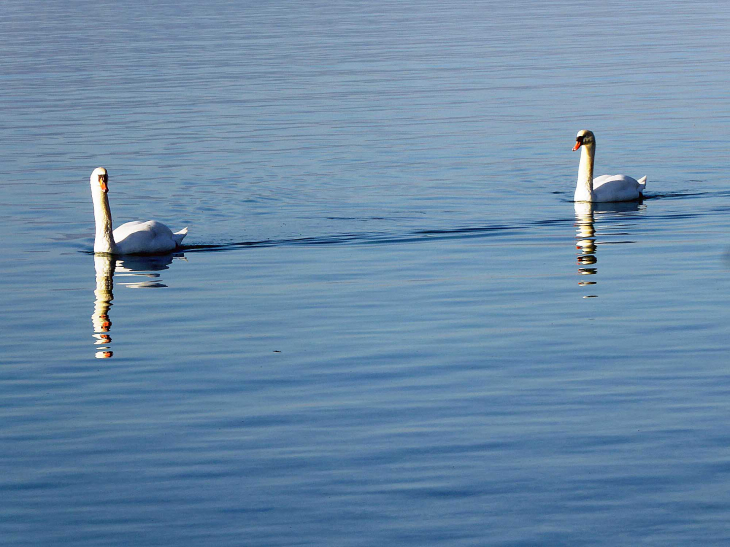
[(642, 181), (179, 236)]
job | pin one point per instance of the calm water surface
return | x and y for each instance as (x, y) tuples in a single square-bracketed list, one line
[(391, 325)]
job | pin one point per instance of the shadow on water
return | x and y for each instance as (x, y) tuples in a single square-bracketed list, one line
[(137, 272), (426, 234), (586, 215), (372, 238), (462, 232), (687, 194)]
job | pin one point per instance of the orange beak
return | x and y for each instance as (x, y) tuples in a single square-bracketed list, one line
[(578, 144), (104, 187)]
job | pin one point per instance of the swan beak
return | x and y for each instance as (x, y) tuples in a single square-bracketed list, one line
[(104, 187), (578, 144)]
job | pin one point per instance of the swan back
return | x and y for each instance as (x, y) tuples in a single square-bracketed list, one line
[(149, 237), (617, 188)]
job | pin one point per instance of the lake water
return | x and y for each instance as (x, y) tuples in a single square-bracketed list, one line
[(391, 325)]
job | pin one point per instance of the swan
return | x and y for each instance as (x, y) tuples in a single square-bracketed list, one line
[(606, 187), (150, 237)]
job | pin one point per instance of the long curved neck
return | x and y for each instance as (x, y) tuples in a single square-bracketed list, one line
[(584, 188), (104, 241)]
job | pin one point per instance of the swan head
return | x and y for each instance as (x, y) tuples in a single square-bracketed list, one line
[(584, 138), (100, 179)]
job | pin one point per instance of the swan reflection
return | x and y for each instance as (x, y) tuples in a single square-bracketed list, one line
[(137, 272), (103, 296), (586, 215)]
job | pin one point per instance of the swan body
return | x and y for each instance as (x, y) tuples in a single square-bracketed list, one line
[(150, 237), (605, 188)]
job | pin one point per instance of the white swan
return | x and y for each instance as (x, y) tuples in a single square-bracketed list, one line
[(606, 187), (134, 237)]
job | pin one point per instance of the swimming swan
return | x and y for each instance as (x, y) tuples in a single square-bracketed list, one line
[(134, 237), (606, 187)]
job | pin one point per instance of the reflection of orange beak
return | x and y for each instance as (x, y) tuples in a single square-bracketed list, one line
[(577, 145)]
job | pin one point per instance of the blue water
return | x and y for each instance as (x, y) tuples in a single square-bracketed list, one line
[(390, 325)]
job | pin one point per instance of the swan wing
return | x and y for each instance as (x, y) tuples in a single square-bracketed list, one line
[(138, 237), (617, 188)]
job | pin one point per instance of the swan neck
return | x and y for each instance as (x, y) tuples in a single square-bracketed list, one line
[(104, 240), (584, 188)]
